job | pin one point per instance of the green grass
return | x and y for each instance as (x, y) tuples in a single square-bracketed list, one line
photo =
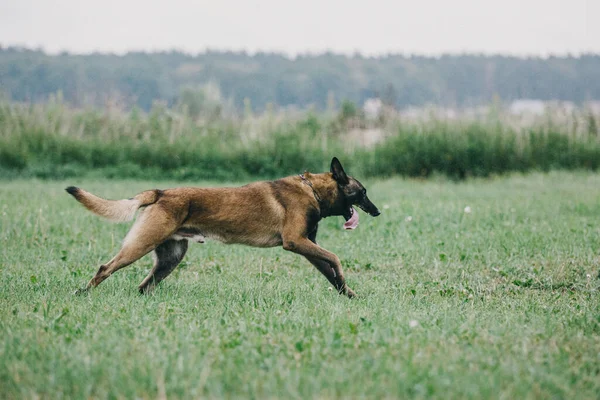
[(501, 302)]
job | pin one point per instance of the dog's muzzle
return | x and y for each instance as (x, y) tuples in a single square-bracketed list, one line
[(369, 208)]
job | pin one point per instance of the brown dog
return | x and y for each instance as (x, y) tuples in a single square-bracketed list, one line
[(285, 212)]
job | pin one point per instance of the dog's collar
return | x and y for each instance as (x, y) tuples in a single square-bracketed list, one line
[(309, 183)]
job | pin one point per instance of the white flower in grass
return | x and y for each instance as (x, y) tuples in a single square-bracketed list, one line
[(467, 210), (386, 206), (413, 323), (408, 219), (588, 276)]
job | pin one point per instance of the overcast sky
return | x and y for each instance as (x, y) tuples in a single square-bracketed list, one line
[(518, 27)]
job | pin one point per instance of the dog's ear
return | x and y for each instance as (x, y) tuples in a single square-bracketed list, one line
[(338, 172)]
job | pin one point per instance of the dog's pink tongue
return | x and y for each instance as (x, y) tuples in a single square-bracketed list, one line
[(352, 223)]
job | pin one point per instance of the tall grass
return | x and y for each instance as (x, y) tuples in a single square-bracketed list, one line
[(479, 150), (53, 141)]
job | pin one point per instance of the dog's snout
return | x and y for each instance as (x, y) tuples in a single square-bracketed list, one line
[(370, 208)]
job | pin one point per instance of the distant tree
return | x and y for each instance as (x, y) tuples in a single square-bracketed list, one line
[(191, 101), (592, 125), (348, 110), (203, 101), (389, 96), (141, 79)]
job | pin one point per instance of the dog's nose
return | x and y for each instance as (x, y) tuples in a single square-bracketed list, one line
[(376, 213)]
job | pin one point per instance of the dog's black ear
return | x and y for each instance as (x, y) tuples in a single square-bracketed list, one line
[(338, 172)]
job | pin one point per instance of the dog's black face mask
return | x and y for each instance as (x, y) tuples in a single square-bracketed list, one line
[(354, 192)]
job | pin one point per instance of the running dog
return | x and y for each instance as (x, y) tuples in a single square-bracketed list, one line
[(285, 212)]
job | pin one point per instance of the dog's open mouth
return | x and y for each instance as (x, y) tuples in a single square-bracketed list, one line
[(351, 218)]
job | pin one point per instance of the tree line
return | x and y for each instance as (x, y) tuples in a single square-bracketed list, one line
[(320, 81)]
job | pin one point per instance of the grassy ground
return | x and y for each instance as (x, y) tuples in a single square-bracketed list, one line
[(499, 302)]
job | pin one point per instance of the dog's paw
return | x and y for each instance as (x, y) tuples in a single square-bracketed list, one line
[(80, 292), (146, 290), (350, 293)]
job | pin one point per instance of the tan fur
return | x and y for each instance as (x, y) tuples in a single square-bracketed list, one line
[(283, 213), (115, 210)]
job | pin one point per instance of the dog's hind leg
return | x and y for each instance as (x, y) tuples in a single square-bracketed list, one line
[(151, 229), (167, 256)]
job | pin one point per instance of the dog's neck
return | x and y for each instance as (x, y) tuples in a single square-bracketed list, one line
[(327, 193)]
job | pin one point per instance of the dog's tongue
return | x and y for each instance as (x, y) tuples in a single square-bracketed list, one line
[(352, 223)]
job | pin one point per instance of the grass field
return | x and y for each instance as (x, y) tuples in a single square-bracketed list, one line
[(499, 302)]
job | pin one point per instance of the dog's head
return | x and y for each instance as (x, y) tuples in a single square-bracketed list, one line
[(352, 192)]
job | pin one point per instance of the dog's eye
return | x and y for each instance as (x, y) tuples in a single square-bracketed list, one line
[(364, 192)]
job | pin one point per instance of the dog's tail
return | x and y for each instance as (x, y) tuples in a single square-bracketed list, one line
[(114, 210)]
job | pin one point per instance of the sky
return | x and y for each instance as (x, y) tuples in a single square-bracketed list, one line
[(370, 27)]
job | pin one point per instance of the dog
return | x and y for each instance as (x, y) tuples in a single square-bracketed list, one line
[(284, 212)]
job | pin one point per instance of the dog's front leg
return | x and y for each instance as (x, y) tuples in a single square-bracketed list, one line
[(327, 262), (322, 266), (325, 269)]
